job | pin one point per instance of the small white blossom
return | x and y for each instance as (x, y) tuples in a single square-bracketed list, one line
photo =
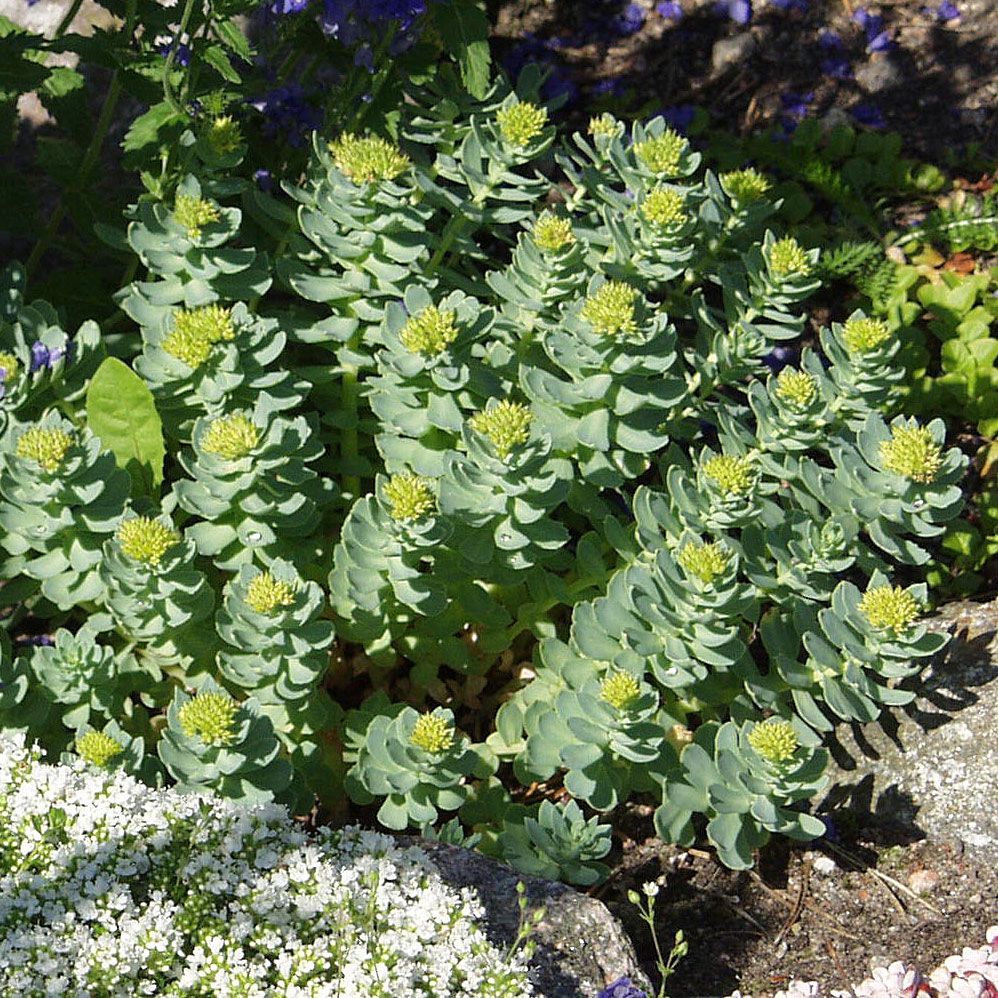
[(150, 892)]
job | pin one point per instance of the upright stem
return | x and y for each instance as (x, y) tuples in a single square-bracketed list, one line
[(93, 150), (349, 441), (68, 18), (171, 57)]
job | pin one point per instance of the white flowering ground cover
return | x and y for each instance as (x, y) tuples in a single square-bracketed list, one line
[(110, 889)]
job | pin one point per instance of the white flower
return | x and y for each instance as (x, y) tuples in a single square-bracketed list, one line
[(149, 892), (650, 889)]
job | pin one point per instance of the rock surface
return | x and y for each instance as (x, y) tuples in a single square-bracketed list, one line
[(728, 52), (581, 947), (930, 766)]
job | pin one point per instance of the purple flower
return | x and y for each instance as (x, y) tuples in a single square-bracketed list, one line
[(37, 641), (869, 115), (353, 21), (796, 106), (740, 11), (622, 988), (863, 17), (288, 113), (948, 11), (831, 41), (281, 7), (680, 116), (837, 67), (629, 20), (183, 56), (670, 10), (779, 357), (878, 39), (880, 42), (609, 86), (263, 179), (39, 356), (798, 5)]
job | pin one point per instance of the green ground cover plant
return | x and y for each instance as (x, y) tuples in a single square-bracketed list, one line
[(447, 476)]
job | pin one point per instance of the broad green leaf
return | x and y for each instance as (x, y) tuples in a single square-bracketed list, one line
[(146, 128), (464, 28), (121, 411)]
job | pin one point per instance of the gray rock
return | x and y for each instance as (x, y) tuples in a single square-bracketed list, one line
[(581, 947), (879, 74), (834, 117), (930, 766), (728, 52)]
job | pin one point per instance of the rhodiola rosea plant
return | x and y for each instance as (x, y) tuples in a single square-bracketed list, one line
[(475, 476)]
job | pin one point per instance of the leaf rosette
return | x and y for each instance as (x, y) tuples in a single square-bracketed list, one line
[(60, 496), (250, 483), (418, 763)]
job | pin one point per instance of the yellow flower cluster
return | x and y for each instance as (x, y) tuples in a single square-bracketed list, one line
[(368, 159), (506, 425), (146, 540)]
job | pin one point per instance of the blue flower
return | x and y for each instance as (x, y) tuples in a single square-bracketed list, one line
[(281, 7), (878, 39), (798, 5), (670, 10), (796, 106), (39, 356), (779, 357), (622, 988), (869, 115), (288, 113), (610, 86), (831, 41), (740, 11), (680, 116), (353, 21), (837, 67), (263, 179), (629, 20), (948, 11), (183, 56)]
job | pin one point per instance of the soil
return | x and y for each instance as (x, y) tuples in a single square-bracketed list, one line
[(888, 898), (936, 84)]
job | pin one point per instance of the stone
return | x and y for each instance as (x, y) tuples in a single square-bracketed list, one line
[(834, 117), (881, 73), (728, 52), (581, 947), (923, 881), (929, 767)]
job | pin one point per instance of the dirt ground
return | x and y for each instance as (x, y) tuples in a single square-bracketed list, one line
[(887, 898), (933, 80)]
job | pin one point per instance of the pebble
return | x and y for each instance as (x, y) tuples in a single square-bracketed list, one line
[(923, 881), (728, 52), (824, 865), (879, 75)]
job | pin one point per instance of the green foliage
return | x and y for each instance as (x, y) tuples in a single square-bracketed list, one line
[(418, 764), (121, 411), (478, 435), (559, 843)]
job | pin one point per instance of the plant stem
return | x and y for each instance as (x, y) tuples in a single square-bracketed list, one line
[(91, 155), (68, 18), (349, 444), (171, 57), (82, 175)]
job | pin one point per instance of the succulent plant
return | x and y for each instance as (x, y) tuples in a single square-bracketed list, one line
[(558, 843), (60, 496), (212, 741), (418, 763)]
